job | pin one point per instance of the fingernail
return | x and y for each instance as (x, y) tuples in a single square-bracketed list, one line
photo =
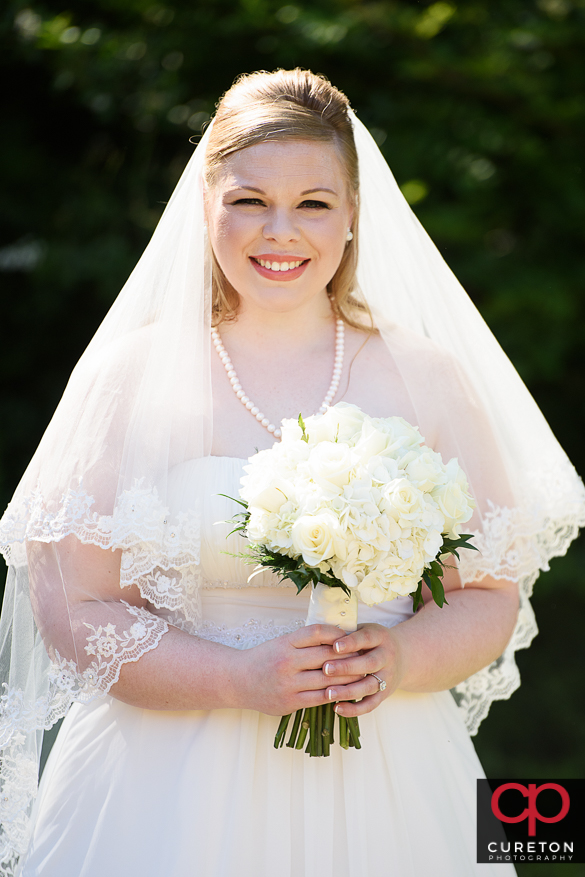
[(331, 694), (336, 709), (339, 646), (328, 669)]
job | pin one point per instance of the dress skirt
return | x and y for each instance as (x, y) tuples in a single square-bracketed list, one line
[(130, 792)]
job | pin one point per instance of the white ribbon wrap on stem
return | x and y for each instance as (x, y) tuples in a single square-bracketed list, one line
[(333, 606)]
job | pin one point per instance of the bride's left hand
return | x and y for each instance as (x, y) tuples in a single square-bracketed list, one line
[(378, 652)]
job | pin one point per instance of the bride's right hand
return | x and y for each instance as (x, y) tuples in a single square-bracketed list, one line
[(285, 674)]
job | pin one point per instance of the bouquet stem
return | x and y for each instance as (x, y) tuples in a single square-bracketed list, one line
[(353, 728), (295, 729), (327, 606), (279, 738), (303, 731), (318, 723)]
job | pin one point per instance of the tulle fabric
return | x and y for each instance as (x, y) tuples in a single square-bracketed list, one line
[(138, 405), (531, 502), (132, 791), (129, 791)]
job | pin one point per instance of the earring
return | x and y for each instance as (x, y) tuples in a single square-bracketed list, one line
[(349, 236)]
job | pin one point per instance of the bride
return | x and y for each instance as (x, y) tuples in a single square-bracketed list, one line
[(287, 274)]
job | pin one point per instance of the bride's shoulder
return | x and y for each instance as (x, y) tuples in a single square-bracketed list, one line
[(117, 359), (400, 371), (397, 346)]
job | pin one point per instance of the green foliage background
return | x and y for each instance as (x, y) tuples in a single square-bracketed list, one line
[(479, 108)]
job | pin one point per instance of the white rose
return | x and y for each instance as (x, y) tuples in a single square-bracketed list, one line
[(340, 423), (321, 428), (402, 501), (400, 433), (270, 498), (371, 441), (330, 465), (424, 469), (453, 499), (263, 485), (258, 526), (381, 469), (290, 454), (316, 537), (291, 431)]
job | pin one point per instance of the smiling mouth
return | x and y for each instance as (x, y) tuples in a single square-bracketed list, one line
[(280, 267)]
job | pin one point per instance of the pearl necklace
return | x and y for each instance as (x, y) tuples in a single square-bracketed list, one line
[(247, 402)]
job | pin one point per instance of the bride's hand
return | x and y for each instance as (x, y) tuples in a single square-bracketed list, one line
[(285, 674), (379, 653)]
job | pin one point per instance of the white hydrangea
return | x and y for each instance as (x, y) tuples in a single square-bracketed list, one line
[(361, 497)]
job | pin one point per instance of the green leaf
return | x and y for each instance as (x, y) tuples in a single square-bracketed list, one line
[(304, 437), (417, 599), (239, 501), (461, 542), (435, 584)]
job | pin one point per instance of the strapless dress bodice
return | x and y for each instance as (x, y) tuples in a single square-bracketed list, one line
[(232, 610)]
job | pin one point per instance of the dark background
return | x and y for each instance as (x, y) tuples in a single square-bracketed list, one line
[(479, 108)]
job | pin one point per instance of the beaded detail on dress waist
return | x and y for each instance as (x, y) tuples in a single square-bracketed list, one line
[(273, 582)]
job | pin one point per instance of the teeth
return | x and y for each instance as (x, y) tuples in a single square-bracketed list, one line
[(279, 266)]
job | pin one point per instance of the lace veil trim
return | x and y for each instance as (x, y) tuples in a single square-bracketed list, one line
[(21, 719), (161, 555), (141, 525), (514, 545)]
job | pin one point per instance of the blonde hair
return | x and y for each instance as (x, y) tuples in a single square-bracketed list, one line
[(287, 104)]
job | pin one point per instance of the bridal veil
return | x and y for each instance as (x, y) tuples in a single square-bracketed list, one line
[(139, 403)]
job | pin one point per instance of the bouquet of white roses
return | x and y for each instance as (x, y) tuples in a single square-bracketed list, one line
[(357, 507)]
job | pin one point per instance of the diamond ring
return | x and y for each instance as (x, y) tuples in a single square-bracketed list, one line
[(381, 682)]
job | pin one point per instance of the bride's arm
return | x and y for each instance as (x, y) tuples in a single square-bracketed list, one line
[(77, 596), (84, 617), (437, 648), (187, 672), (434, 650)]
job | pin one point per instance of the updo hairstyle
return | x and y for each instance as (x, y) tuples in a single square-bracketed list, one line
[(287, 105)]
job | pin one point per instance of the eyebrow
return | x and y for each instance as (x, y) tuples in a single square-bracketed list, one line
[(306, 192)]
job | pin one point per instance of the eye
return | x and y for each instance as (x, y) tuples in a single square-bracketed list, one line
[(315, 205), (255, 202)]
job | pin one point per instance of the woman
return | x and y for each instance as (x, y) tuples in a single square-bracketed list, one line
[(114, 533)]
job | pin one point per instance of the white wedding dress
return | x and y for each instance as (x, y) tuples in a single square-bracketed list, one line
[(130, 792)]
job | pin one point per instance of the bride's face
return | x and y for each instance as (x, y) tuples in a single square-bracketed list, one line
[(278, 218)]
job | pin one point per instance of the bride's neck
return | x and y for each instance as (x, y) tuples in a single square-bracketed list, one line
[(304, 328)]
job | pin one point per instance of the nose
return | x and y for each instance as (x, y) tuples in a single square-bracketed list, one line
[(280, 225)]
